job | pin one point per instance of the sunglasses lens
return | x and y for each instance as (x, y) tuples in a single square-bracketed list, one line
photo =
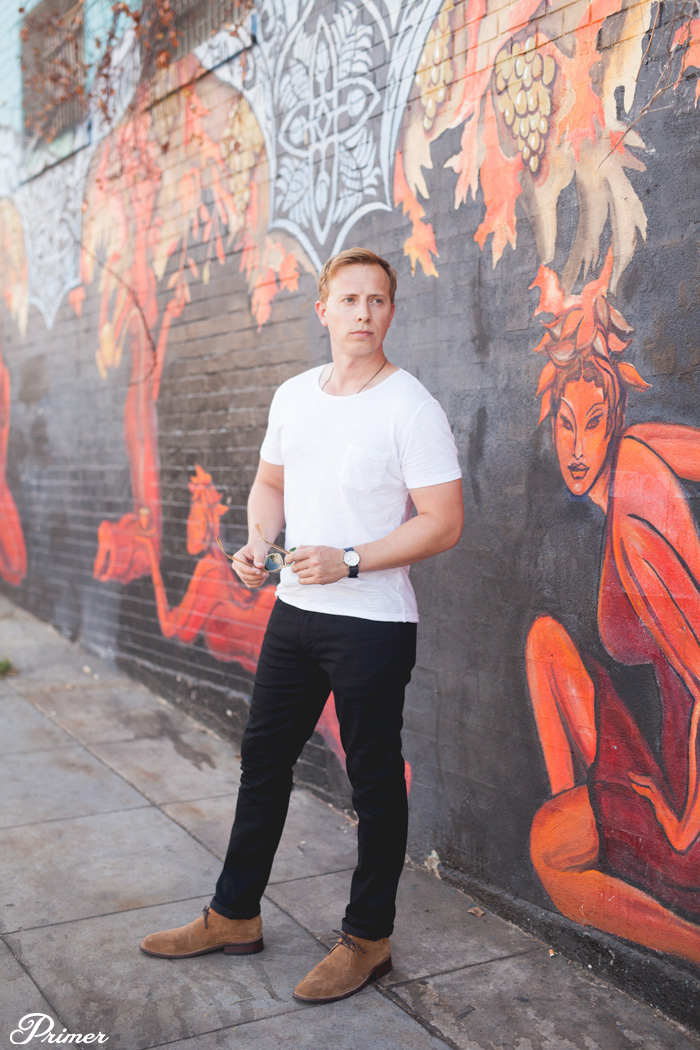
[(274, 562)]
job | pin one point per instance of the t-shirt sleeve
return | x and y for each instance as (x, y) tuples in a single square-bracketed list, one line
[(430, 454), (271, 448)]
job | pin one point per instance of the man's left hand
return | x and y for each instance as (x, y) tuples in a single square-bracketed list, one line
[(318, 564)]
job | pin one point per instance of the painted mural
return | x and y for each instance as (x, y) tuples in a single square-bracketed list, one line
[(265, 151), (622, 850), (13, 280), (189, 169), (535, 90)]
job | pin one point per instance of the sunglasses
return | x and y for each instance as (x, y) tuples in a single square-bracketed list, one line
[(273, 562)]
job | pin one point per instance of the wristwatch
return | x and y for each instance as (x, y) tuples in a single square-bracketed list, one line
[(352, 560)]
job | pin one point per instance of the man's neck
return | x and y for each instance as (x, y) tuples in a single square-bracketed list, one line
[(349, 375)]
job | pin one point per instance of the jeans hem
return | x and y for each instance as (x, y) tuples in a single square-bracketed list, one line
[(354, 931), (227, 913)]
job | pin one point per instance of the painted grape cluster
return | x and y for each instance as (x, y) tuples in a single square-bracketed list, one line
[(523, 79), (435, 67)]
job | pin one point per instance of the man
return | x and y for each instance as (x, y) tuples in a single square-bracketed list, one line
[(351, 449)]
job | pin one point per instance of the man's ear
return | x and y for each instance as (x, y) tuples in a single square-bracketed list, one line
[(321, 311)]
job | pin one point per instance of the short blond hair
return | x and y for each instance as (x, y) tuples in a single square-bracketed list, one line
[(353, 257)]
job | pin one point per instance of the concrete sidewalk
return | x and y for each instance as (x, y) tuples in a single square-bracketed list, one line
[(114, 815)]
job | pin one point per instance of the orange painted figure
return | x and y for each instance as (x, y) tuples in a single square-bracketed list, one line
[(13, 552), (15, 290), (622, 851), (231, 618)]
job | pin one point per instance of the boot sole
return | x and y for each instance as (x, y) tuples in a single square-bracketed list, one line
[(245, 948), (378, 971)]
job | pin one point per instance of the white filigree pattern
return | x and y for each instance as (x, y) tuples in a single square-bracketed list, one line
[(328, 93), (50, 207), (328, 152)]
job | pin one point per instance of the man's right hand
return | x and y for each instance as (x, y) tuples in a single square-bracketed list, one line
[(254, 554)]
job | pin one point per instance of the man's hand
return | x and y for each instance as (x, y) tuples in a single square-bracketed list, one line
[(318, 564), (254, 554)]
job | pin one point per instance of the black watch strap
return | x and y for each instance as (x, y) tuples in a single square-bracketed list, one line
[(353, 570)]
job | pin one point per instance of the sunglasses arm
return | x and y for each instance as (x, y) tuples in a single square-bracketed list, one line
[(274, 545)]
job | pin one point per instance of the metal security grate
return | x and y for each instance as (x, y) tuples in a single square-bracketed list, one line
[(199, 21), (53, 67)]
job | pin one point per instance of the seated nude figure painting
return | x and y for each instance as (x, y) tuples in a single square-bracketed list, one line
[(231, 618), (621, 851)]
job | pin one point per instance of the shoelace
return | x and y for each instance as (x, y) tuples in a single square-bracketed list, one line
[(205, 913), (347, 942)]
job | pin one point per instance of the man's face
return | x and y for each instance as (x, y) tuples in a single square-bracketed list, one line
[(358, 310)]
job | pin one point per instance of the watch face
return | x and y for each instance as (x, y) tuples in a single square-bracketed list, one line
[(351, 558)]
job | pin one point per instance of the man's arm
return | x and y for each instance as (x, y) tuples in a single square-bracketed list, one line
[(266, 509), (436, 527)]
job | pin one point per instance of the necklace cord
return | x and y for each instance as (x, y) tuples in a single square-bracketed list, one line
[(330, 376)]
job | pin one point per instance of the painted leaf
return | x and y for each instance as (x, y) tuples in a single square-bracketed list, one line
[(617, 345), (420, 245), (571, 323), (264, 291), (552, 298), (621, 326), (586, 114), (466, 163), (289, 273), (544, 344), (689, 35), (600, 347), (563, 353), (500, 185), (76, 298), (602, 311), (546, 378), (632, 377)]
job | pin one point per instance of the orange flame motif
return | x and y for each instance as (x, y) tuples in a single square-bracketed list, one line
[(583, 324), (13, 551)]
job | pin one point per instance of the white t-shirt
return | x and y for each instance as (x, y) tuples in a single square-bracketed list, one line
[(349, 463)]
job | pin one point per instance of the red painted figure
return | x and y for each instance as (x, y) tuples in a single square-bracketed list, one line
[(13, 553), (621, 852), (231, 618)]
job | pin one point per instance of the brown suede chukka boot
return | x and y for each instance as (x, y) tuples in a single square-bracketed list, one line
[(351, 963), (209, 933)]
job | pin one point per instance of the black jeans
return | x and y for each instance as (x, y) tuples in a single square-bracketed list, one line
[(367, 664)]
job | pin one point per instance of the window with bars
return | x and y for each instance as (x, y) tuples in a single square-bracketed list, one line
[(53, 67), (196, 21)]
